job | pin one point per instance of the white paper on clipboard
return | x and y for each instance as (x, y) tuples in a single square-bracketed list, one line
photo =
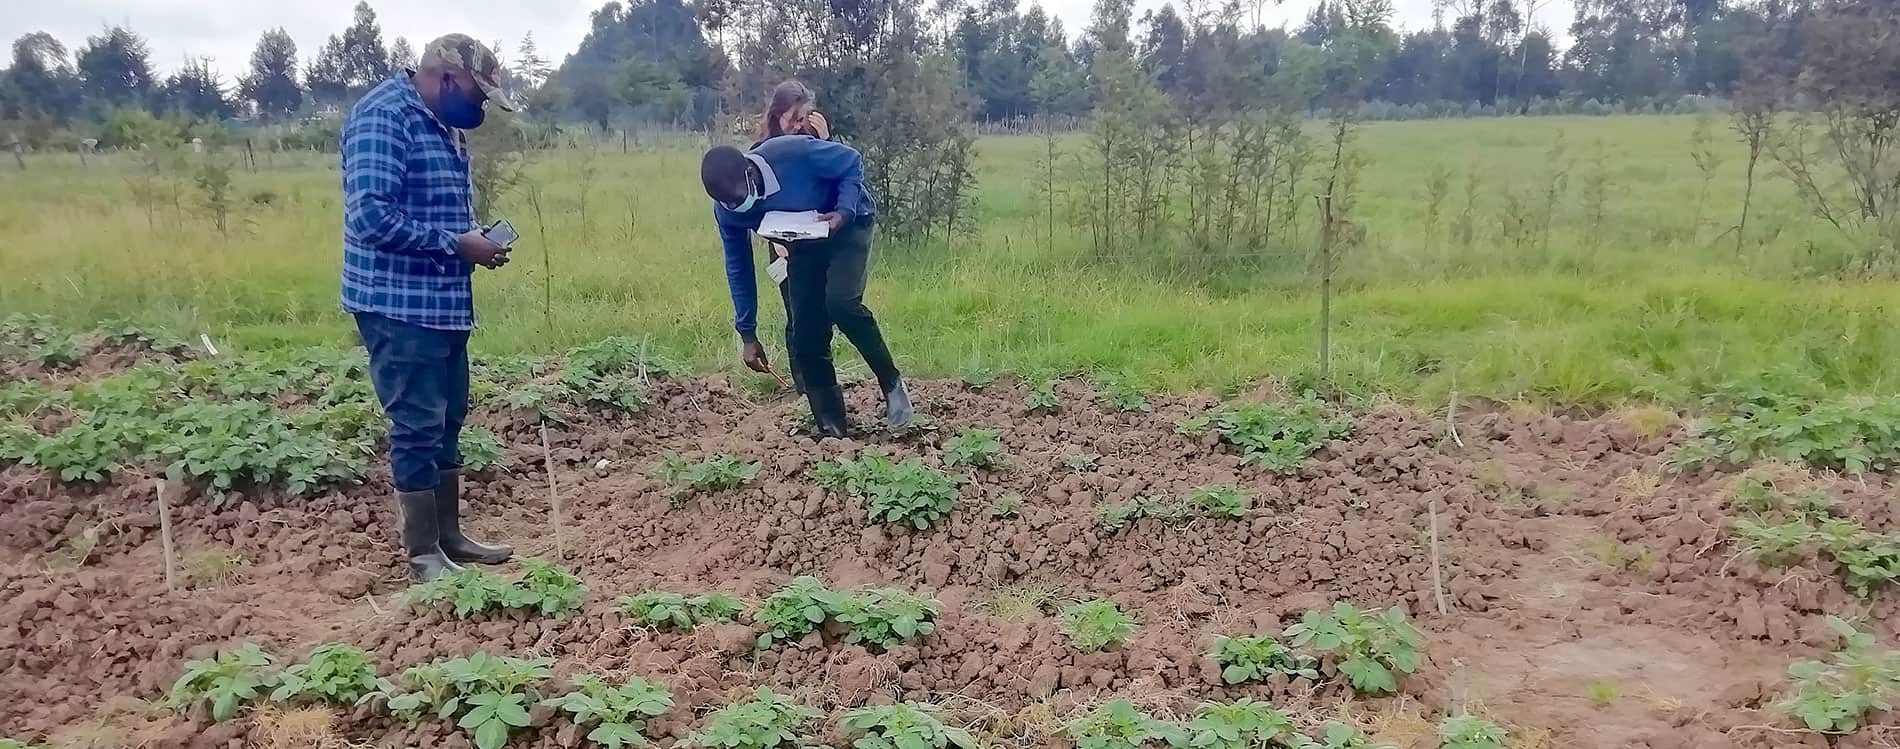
[(793, 226)]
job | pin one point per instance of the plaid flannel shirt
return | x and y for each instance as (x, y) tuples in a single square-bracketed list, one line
[(406, 195)]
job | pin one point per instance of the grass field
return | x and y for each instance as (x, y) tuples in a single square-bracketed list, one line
[(1652, 304)]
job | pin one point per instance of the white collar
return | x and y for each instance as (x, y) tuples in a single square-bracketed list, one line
[(765, 175)]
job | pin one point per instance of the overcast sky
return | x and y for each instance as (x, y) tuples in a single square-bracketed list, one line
[(226, 30)]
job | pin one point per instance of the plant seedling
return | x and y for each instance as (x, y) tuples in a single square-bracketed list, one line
[(1082, 463), (229, 680), (1113, 518), (658, 609), (491, 694), (715, 474), (335, 674), (1245, 659), (884, 618), (1602, 693), (481, 450), (1007, 506), (1337, 736), (1122, 395), (618, 714), (909, 492), (978, 378), (1470, 732), (1194, 426), (215, 567), (796, 611), (1836, 697), (768, 721), (1241, 724), (1369, 644), (1042, 399), (906, 725), (975, 448), (1279, 437), (1094, 626), (1120, 725), (549, 589), (1219, 500)]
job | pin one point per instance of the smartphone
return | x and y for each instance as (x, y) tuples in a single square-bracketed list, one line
[(501, 233)]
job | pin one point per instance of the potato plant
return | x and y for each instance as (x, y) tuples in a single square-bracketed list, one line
[(487, 696), (974, 448), (884, 618), (1850, 434), (228, 680), (481, 450), (664, 610), (1470, 732), (769, 720), (1837, 696), (1120, 394), (1219, 500), (979, 378), (1094, 626), (1007, 506), (1241, 724), (1369, 645), (715, 474), (544, 588), (1118, 724), (1337, 736), (1279, 437), (1042, 398), (906, 725), (909, 493), (796, 610), (1245, 659), (334, 674), (618, 714), (1790, 531), (15, 744)]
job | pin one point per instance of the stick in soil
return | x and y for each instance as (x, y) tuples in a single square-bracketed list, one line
[(1451, 420), (165, 536), (1438, 574), (554, 492)]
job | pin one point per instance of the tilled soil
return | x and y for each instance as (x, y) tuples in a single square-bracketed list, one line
[(1592, 597)]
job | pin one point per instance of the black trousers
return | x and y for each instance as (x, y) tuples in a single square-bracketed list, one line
[(824, 287)]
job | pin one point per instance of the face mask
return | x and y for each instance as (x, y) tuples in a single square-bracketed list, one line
[(751, 199), (458, 109)]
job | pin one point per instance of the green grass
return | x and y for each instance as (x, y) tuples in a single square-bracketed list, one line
[(1654, 306)]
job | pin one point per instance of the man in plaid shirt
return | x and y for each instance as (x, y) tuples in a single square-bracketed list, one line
[(410, 245)]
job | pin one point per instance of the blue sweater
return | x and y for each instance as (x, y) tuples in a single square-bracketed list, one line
[(801, 173)]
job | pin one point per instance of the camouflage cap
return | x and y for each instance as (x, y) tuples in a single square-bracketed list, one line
[(462, 51)]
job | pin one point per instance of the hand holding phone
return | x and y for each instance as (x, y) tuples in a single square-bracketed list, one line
[(501, 233)]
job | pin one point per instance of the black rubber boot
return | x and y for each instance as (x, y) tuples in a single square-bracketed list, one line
[(448, 512), (827, 412), (421, 537), (897, 409)]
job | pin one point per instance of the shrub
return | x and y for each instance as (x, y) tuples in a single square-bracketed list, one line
[(906, 725), (1368, 643), (769, 720), (1093, 626), (618, 714), (228, 680)]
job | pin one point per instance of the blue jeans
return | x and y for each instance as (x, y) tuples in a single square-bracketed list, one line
[(421, 377)]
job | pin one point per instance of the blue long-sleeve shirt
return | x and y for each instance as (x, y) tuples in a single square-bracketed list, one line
[(406, 195), (801, 173)]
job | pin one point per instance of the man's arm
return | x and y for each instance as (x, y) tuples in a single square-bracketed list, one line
[(374, 167), (741, 281), (837, 161)]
